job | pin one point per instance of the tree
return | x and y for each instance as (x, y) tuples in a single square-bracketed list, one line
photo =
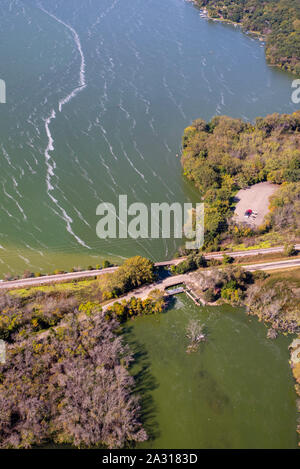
[(134, 272), (289, 250), (227, 260), (195, 334), (209, 295)]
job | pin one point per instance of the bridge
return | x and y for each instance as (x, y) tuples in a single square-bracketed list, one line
[(175, 291)]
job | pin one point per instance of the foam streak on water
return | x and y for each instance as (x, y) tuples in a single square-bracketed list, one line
[(82, 80), (50, 146), (50, 174)]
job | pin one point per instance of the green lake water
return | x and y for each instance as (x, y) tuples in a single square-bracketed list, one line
[(146, 69), (236, 391)]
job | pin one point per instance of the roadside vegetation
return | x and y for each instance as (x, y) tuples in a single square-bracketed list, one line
[(193, 261), (124, 310), (277, 21)]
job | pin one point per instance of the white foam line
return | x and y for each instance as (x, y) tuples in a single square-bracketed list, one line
[(167, 147), (151, 121), (35, 250), (81, 217), (172, 98), (137, 149), (50, 147), (103, 15), (107, 141), (131, 164), (68, 221), (50, 174), (108, 170), (15, 201), (127, 114), (82, 80), (84, 173), (7, 213), (6, 156), (65, 216), (27, 261), (16, 187), (123, 109), (30, 168)]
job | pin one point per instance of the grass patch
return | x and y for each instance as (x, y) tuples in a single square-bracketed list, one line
[(291, 274), (79, 289)]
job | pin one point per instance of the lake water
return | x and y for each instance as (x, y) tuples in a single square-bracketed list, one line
[(236, 391), (98, 95)]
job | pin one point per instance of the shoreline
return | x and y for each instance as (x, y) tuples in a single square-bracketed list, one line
[(295, 367), (205, 15), (288, 63)]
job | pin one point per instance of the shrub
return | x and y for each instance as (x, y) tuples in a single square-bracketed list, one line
[(154, 304), (289, 250), (209, 295), (227, 260)]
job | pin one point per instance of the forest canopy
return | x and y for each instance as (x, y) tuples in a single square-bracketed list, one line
[(71, 386), (226, 154)]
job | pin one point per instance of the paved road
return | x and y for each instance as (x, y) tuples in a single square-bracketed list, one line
[(48, 279), (273, 265), (219, 255)]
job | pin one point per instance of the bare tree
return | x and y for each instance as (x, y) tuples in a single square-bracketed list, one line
[(195, 333)]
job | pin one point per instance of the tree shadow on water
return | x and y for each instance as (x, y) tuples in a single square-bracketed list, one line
[(213, 394), (170, 304), (145, 383)]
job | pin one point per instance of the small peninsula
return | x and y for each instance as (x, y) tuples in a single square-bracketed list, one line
[(226, 155)]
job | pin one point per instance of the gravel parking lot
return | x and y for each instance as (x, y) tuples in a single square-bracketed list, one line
[(255, 198)]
